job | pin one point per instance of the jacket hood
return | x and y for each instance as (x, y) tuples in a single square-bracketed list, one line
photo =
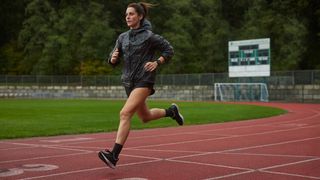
[(146, 24), (138, 36)]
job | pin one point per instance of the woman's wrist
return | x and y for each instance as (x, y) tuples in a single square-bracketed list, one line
[(159, 62)]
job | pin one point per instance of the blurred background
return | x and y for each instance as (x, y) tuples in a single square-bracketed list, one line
[(73, 37)]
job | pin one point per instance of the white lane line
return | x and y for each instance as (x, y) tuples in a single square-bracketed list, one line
[(289, 164), (144, 157), (69, 149), (290, 174), (234, 128), (23, 144), (230, 150), (169, 151), (245, 148), (15, 148), (268, 155), (230, 175), (87, 170), (44, 157), (263, 123), (208, 164), (45, 146), (271, 144), (67, 140), (219, 138), (212, 130)]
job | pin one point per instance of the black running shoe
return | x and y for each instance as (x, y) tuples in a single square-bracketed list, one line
[(108, 157), (176, 115)]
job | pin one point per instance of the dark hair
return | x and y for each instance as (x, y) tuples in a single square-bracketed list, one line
[(142, 8)]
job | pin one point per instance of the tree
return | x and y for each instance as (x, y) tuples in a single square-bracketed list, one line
[(178, 33), (286, 32), (12, 15), (213, 37), (34, 34), (67, 35), (312, 19), (10, 56), (63, 36)]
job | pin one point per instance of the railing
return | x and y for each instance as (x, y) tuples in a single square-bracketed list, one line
[(276, 78)]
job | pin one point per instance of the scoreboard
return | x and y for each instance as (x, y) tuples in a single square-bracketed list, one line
[(249, 58)]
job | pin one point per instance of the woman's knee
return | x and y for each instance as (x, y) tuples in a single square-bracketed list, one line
[(125, 115)]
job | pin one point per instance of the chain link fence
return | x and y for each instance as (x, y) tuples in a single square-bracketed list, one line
[(294, 86), (276, 78)]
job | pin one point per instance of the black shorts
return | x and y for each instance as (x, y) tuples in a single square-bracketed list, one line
[(129, 87)]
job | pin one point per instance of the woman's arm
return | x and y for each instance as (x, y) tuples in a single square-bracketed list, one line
[(166, 52), (162, 45), (115, 54)]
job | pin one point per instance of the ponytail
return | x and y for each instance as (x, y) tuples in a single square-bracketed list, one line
[(142, 8)]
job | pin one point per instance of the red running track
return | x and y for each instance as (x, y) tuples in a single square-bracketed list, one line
[(282, 147)]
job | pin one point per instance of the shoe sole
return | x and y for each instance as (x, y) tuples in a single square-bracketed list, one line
[(106, 161), (179, 113)]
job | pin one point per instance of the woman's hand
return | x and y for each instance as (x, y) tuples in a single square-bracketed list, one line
[(151, 66), (114, 56)]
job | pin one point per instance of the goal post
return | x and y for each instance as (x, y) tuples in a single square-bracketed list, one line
[(241, 92)]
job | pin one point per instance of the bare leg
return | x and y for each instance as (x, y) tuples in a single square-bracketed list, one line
[(135, 100), (136, 103), (147, 115)]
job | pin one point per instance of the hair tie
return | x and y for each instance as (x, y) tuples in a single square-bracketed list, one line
[(142, 9)]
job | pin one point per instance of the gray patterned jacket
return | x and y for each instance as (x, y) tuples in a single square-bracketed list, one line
[(136, 48)]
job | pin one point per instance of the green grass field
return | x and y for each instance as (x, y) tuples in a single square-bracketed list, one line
[(31, 117)]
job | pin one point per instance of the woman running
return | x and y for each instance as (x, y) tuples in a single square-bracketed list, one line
[(137, 48)]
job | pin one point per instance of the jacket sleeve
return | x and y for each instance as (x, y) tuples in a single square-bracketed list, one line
[(162, 45), (117, 45)]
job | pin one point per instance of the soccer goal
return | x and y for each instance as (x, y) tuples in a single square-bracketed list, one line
[(241, 92)]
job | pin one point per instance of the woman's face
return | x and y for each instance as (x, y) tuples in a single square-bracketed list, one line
[(132, 18)]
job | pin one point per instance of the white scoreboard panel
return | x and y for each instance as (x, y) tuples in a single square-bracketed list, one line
[(249, 58)]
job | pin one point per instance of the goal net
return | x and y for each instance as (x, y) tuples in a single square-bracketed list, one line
[(241, 92)]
